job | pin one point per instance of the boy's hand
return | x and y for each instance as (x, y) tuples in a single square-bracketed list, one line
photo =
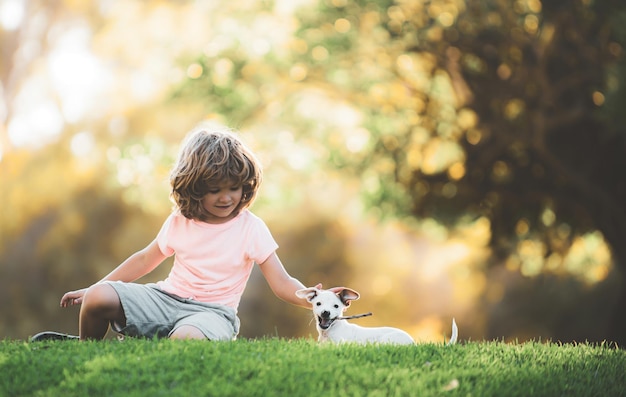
[(73, 298)]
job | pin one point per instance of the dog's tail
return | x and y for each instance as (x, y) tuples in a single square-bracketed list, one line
[(455, 333)]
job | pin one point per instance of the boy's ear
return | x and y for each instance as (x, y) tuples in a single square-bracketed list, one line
[(307, 293), (347, 295)]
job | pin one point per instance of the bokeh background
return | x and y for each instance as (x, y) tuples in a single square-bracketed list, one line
[(445, 158)]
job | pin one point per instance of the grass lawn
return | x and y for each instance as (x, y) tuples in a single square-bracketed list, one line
[(278, 367)]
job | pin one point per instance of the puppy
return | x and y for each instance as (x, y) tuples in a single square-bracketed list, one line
[(328, 308)]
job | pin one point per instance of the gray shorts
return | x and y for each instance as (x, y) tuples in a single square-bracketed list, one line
[(151, 312)]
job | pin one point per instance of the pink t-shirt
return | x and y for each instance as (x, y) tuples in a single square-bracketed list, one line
[(213, 261)]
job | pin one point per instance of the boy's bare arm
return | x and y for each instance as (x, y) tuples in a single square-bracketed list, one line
[(137, 265), (282, 284)]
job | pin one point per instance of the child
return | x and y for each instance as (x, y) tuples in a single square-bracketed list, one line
[(215, 239)]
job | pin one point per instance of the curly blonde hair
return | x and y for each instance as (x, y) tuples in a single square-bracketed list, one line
[(208, 158)]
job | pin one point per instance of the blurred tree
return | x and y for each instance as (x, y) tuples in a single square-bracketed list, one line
[(502, 110), (544, 155)]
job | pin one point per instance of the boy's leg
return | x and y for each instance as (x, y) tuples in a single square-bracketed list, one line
[(211, 324), (187, 332), (100, 306)]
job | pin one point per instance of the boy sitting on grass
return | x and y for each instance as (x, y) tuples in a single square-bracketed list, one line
[(215, 241)]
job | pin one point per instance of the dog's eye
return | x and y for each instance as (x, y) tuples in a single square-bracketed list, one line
[(319, 303), (336, 306)]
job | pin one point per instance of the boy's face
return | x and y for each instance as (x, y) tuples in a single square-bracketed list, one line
[(221, 201)]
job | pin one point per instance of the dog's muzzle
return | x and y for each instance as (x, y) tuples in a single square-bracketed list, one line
[(324, 320)]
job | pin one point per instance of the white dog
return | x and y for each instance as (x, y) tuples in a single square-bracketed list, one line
[(328, 308)]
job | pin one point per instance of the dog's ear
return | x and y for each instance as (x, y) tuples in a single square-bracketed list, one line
[(347, 295), (307, 293)]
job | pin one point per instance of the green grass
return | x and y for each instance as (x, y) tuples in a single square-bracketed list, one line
[(275, 367)]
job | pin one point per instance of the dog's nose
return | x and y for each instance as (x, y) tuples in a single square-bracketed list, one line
[(325, 314)]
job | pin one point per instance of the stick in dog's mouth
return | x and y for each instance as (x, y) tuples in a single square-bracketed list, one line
[(355, 316)]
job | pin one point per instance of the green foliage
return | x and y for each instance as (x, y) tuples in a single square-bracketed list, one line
[(302, 367), (226, 94)]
